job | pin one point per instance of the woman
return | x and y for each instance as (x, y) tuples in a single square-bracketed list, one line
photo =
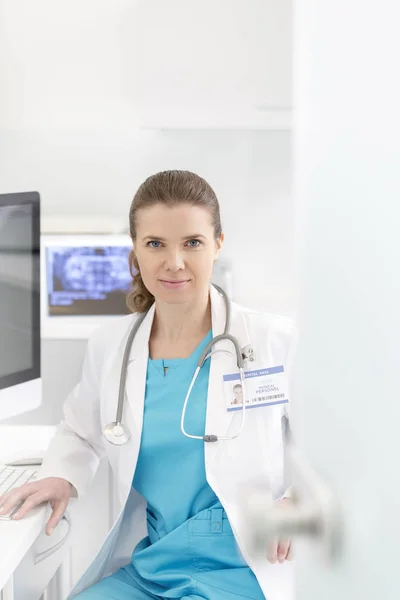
[(185, 491), (237, 394)]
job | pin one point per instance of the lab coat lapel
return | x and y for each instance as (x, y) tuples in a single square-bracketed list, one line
[(219, 421), (135, 388), (132, 415)]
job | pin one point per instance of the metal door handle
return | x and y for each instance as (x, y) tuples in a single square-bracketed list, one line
[(315, 512)]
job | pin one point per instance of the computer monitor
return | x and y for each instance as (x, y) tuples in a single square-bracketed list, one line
[(20, 376), (85, 281)]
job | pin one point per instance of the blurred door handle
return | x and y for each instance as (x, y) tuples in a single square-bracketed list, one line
[(43, 555), (315, 511)]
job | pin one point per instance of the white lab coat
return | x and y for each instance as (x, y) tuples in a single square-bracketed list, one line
[(257, 455)]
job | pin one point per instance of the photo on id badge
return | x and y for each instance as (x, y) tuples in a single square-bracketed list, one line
[(237, 394)]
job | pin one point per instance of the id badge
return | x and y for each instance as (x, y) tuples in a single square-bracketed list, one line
[(264, 387)]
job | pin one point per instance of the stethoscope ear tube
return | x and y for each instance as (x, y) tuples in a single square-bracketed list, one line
[(116, 433), (122, 382), (220, 338)]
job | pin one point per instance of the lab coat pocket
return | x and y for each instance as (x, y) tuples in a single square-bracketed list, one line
[(254, 457), (270, 433)]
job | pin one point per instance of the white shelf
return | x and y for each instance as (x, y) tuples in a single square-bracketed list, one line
[(71, 328), (229, 119), (81, 224)]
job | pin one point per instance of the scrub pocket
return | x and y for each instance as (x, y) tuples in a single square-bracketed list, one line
[(219, 569), (212, 544)]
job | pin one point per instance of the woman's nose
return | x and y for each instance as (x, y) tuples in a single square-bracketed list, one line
[(175, 261)]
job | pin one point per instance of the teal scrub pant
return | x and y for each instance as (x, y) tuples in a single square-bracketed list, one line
[(198, 560)]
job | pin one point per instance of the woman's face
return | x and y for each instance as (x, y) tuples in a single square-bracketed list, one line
[(175, 248), (238, 395)]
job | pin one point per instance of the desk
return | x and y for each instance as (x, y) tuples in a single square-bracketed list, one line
[(22, 541)]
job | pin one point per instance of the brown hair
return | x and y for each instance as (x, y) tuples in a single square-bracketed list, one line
[(169, 188)]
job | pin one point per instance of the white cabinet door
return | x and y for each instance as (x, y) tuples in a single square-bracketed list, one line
[(347, 188), (71, 65), (209, 53)]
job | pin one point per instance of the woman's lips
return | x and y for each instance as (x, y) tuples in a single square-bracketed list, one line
[(174, 285)]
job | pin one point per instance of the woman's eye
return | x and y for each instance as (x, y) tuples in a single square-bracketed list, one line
[(194, 243), (154, 244)]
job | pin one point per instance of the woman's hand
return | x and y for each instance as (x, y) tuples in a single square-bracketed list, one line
[(280, 550), (55, 490)]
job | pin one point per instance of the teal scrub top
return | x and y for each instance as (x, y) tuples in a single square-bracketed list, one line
[(170, 472)]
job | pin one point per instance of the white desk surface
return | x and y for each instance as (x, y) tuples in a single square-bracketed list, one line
[(16, 537), (15, 438)]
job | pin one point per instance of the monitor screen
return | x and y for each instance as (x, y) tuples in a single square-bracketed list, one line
[(19, 288), (87, 279)]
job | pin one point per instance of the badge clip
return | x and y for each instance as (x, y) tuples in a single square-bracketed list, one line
[(248, 353)]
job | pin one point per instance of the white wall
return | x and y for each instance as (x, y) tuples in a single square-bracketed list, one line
[(72, 77)]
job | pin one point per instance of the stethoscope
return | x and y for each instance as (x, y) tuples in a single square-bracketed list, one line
[(118, 434)]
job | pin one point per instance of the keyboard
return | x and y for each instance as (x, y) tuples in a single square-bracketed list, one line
[(13, 477)]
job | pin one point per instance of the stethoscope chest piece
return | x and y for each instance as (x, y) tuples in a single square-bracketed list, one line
[(116, 433)]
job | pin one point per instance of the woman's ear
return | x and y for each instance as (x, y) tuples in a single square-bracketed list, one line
[(219, 244), (133, 262)]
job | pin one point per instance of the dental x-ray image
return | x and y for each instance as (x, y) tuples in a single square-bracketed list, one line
[(87, 280)]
